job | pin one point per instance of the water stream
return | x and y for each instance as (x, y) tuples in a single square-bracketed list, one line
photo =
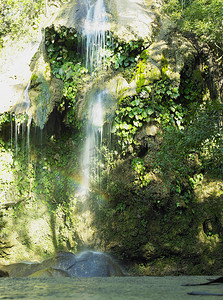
[(94, 135), (94, 33), (22, 122)]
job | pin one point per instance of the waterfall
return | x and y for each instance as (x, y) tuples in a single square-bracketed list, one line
[(94, 32), (29, 119), (94, 135), (22, 121)]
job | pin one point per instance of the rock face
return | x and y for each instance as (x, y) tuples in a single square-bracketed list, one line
[(45, 90), (134, 20), (67, 264), (15, 72)]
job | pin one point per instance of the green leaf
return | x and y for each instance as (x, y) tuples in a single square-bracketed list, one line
[(169, 92), (126, 126), (149, 111), (135, 111), (144, 114), (135, 102), (148, 119), (136, 123)]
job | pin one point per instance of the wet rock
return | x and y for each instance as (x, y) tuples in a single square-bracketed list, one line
[(45, 91), (87, 264), (94, 264), (129, 20), (20, 269), (50, 273), (67, 264)]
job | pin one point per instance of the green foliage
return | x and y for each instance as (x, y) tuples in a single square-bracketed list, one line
[(205, 19), (61, 45), (191, 88), (18, 15), (155, 102), (201, 136), (202, 17), (140, 76), (73, 76), (173, 8), (120, 54), (4, 118), (130, 116), (196, 179), (141, 175), (66, 64), (22, 17), (6, 173), (46, 176)]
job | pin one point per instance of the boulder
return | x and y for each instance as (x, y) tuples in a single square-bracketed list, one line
[(50, 273), (88, 264), (67, 264)]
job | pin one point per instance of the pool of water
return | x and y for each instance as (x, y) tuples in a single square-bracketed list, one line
[(126, 288)]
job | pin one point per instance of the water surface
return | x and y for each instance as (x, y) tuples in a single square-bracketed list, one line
[(126, 288)]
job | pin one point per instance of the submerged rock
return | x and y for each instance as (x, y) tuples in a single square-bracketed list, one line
[(67, 264)]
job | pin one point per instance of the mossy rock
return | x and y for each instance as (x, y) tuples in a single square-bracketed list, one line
[(45, 92), (49, 273)]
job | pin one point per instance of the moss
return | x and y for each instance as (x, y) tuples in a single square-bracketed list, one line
[(164, 67), (42, 101), (140, 76), (145, 55), (34, 79), (49, 272)]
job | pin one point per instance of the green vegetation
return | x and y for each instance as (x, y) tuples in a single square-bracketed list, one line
[(41, 193), (17, 16), (167, 173), (67, 64), (122, 55), (155, 102), (200, 17)]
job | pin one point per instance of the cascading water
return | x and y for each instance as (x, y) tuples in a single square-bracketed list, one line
[(23, 120), (95, 34), (94, 134)]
